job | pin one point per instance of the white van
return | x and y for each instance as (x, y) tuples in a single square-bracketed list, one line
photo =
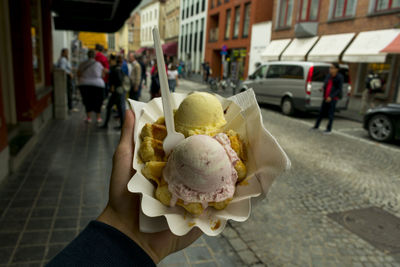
[(294, 85)]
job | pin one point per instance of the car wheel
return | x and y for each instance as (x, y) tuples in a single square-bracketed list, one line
[(380, 128), (287, 106)]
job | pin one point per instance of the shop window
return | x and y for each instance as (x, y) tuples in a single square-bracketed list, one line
[(285, 13), (343, 8), (37, 45), (228, 24), (246, 24), (237, 21), (308, 10), (382, 69), (386, 5)]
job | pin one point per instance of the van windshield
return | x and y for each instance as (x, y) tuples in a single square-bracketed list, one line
[(320, 73)]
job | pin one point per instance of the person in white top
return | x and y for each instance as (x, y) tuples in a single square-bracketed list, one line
[(91, 85), (172, 77), (64, 64)]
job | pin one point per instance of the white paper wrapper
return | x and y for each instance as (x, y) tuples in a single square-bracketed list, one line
[(266, 161)]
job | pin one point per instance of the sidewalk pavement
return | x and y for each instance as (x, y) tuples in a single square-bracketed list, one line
[(63, 185)]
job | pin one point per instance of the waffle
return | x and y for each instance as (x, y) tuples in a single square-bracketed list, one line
[(152, 154)]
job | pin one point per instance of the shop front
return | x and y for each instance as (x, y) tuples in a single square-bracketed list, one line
[(233, 64)]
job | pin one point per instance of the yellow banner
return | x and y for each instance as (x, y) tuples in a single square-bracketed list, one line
[(90, 39)]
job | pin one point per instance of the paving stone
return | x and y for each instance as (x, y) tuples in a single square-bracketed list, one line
[(5, 254), (177, 258), (238, 244), (62, 236), (34, 238), (43, 212), (28, 253), (248, 257), (205, 264), (8, 239), (53, 250), (65, 223), (39, 224), (198, 254)]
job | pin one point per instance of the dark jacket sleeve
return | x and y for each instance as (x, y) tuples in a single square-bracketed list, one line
[(100, 244), (337, 86)]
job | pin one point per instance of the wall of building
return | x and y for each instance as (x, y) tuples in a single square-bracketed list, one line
[(260, 38), (171, 20), (192, 31), (260, 11), (136, 31), (362, 21), (61, 39), (149, 18)]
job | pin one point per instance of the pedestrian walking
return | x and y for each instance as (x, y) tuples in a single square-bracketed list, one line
[(332, 89), (135, 76), (373, 85), (143, 81), (172, 77), (102, 59), (155, 82), (64, 64), (91, 85), (116, 79)]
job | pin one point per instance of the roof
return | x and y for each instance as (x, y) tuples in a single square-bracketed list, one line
[(92, 15)]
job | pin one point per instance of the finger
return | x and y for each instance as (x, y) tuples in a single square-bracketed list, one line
[(128, 128)]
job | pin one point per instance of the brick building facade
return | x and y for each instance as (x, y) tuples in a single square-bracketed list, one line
[(229, 24), (301, 19)]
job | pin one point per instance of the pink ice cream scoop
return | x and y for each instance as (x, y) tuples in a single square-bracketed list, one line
[(201, 169)]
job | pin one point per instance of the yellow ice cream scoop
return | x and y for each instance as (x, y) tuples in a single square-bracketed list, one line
[(200, 113)]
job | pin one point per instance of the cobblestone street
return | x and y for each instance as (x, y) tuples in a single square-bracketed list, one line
[(63, 185)]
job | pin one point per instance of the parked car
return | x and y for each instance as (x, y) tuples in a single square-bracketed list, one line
[(383, 122), (294, 85)]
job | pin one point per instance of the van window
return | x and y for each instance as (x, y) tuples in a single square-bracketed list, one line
[(320, 73), (285, 72), (260, 73)]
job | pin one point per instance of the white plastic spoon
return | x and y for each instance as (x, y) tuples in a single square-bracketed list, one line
[(173, 138)]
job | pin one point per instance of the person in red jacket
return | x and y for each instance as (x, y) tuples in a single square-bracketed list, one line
[(102, 59), (332, 89)]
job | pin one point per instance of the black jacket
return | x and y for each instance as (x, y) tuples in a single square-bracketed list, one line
[(337, 85)]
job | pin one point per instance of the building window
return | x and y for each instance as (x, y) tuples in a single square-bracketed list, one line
[(203, 5), (195, 35), (197, 6), (237, 21), (183, 9), (343, 8), (308, 10), (201, 36), (212, 3), (384, 5), (285, 13), (192, 8), (37, 46), (228, 24), (111, 41), (246, 24)]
